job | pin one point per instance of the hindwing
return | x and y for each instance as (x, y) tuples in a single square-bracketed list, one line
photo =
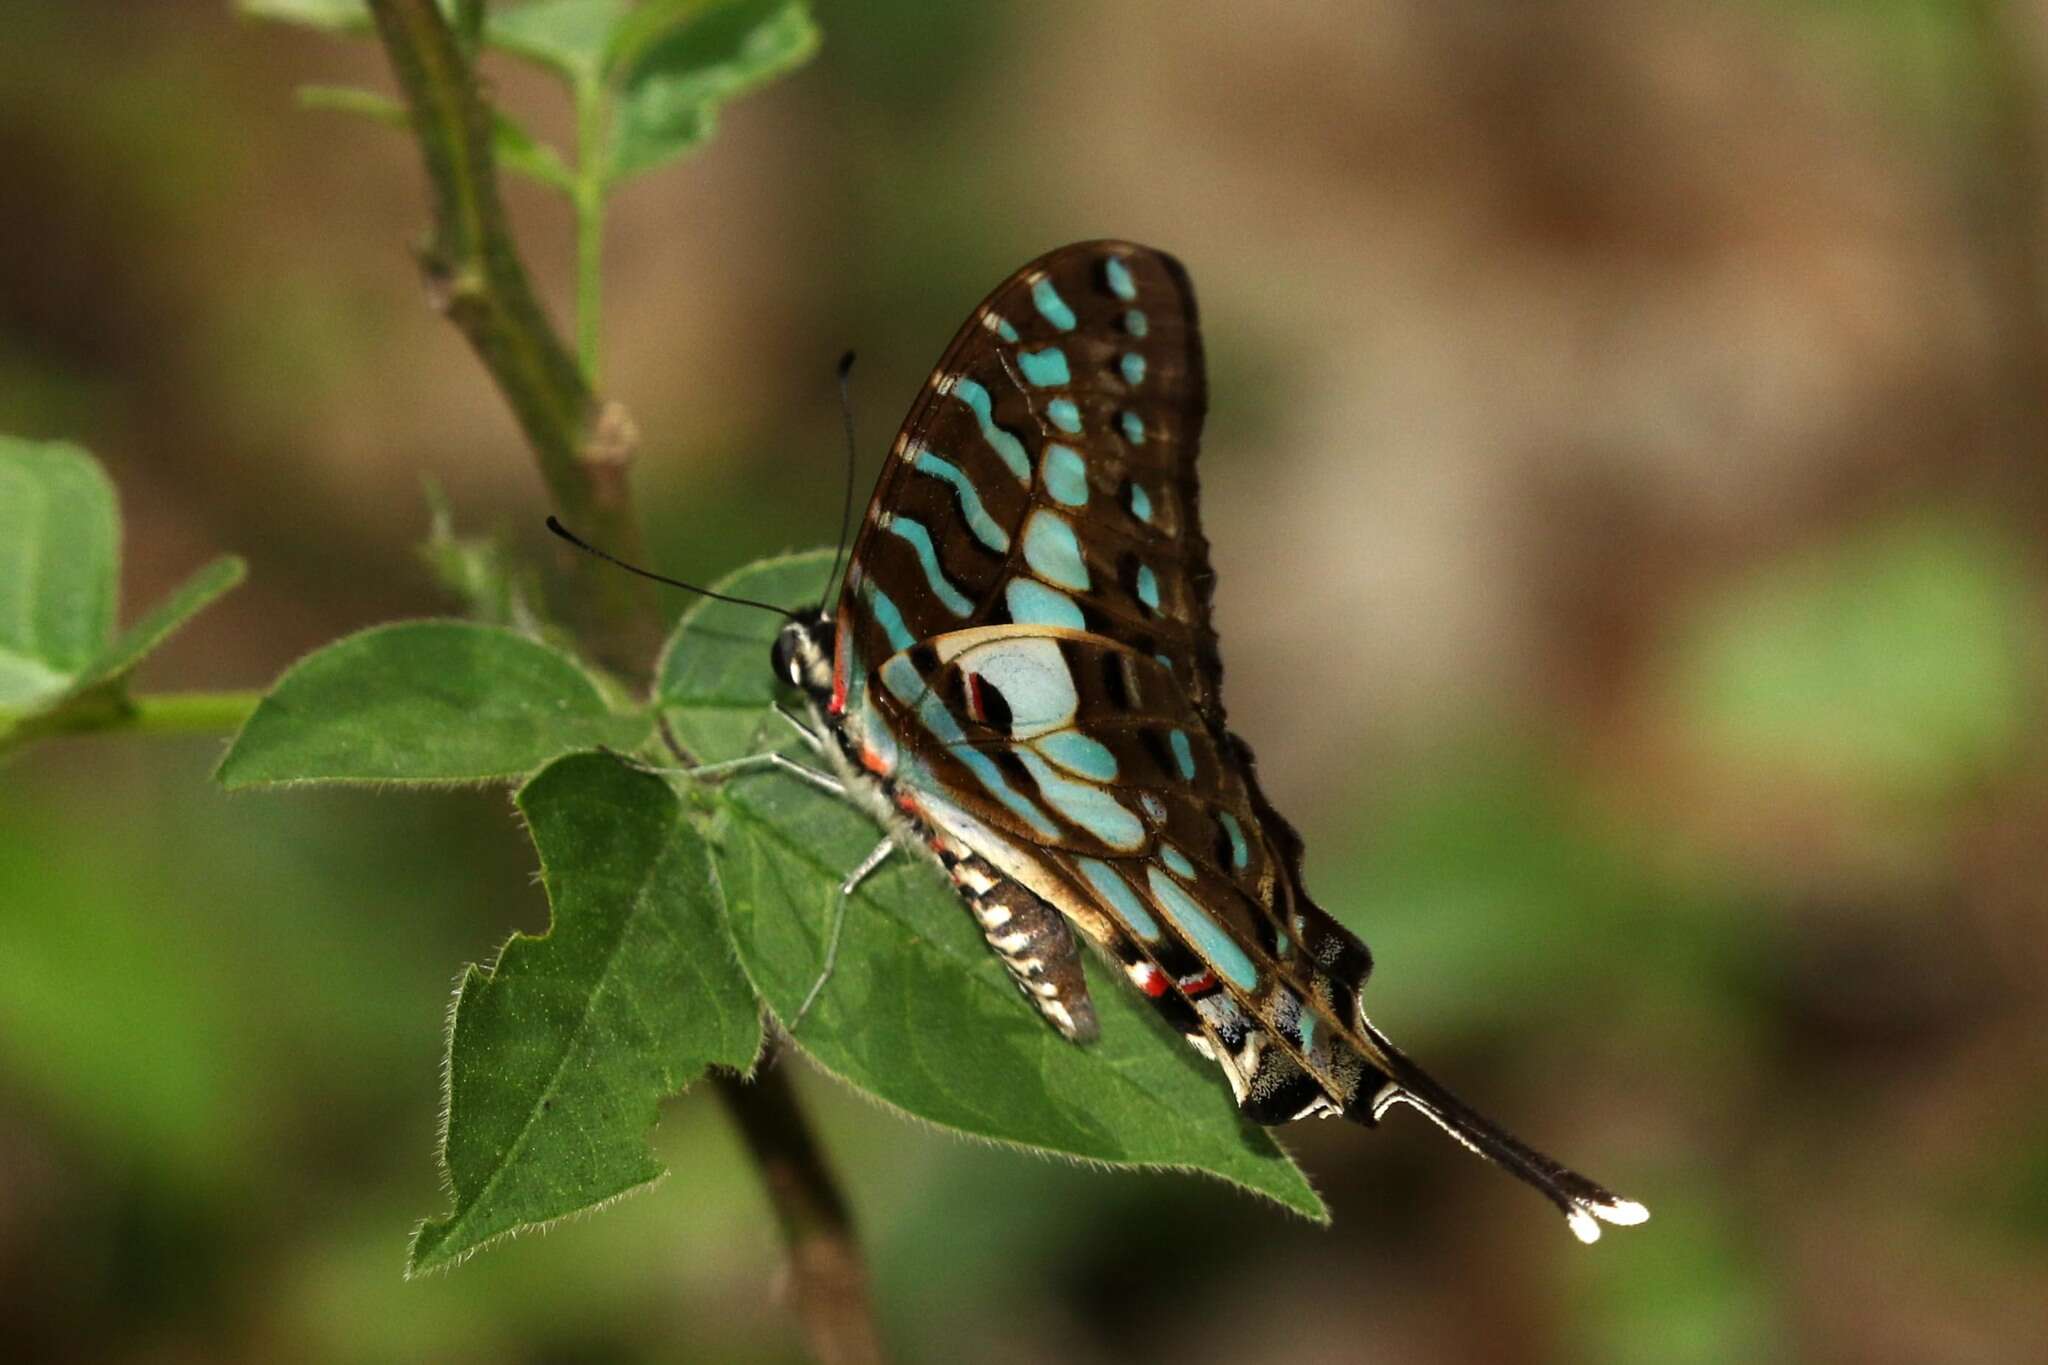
[(1086, 767)]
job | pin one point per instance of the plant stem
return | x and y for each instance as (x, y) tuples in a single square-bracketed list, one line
[(192, 713), (584, 448), (160, 713), (828, 1280), (589, 197)]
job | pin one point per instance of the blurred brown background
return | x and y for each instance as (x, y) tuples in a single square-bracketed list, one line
[(1627, 477)]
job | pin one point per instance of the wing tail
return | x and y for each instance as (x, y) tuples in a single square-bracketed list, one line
[(1585, 1203)]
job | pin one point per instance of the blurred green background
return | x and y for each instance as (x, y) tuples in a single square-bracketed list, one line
[(1627, 472)]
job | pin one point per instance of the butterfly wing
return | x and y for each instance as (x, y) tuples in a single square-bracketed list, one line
[(1032, 584), (1046, 473), (1079, 767), (1083, 765)]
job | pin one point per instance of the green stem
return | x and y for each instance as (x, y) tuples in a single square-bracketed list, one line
[(584, 447), (590, 196), (192, 713), (160, 713)]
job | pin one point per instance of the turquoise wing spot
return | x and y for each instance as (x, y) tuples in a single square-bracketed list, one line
[(1183, 754), (1002, 442), (1052, 551), (978, 520), (1176, 860), (1119, 276), (1148, 587), (1124, 901), (1047, 368), (1240, 854), (1004, 330), (920, 540), (1077, 753), (1134, 432), (1065, 415), (1133, 366), (907, 686), (1051, 306), (891, 619), (1033, 678), (1309, 1020), (1086, 804), (1032, 603), (1066, 474), (1141, 502), (1207, 936), (1135, 323)]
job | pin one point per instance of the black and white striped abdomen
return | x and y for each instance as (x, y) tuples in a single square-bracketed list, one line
[(1034, 943)]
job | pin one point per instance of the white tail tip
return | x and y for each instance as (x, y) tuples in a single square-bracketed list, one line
[(1625, 1213), (1585, 1219)]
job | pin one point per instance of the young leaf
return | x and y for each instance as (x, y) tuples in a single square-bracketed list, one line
[(517, 149), (424, 701), (59, 565), (331, 16), (559, 1054), (676, 63), (480, 570), (917, 1012), (137, 642), (347, 99), (567, 37)]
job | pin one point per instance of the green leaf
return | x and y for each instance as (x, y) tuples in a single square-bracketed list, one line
[(425, 701), (677, 62), (59, 565), (560, 1053), (568, 37), (918, 1013), (190, 598), (517, 149)]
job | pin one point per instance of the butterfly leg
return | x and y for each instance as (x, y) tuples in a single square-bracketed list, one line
[(876, 857), (804, 732), (824, 782)]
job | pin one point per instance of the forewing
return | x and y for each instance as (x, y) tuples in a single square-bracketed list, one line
[(1046, 473)]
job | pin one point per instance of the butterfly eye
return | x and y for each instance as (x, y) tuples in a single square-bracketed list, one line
[(784, 657)]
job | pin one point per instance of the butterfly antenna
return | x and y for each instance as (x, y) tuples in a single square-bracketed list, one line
[(846, 508), (589, 549)]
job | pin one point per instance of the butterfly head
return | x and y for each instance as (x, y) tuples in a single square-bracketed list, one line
[(803, 655)]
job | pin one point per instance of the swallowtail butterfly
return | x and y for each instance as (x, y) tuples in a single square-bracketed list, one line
[(1020, 680)]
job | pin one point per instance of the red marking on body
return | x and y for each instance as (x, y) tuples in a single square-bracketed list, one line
[(839, 647), (1195, 985), (873, 761), (1151, 980), (906, 802)]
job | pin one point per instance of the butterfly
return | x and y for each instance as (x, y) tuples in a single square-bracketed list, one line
[(1020, 679)]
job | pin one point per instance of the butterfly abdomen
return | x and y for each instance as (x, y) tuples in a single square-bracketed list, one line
[(1033, 942)]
